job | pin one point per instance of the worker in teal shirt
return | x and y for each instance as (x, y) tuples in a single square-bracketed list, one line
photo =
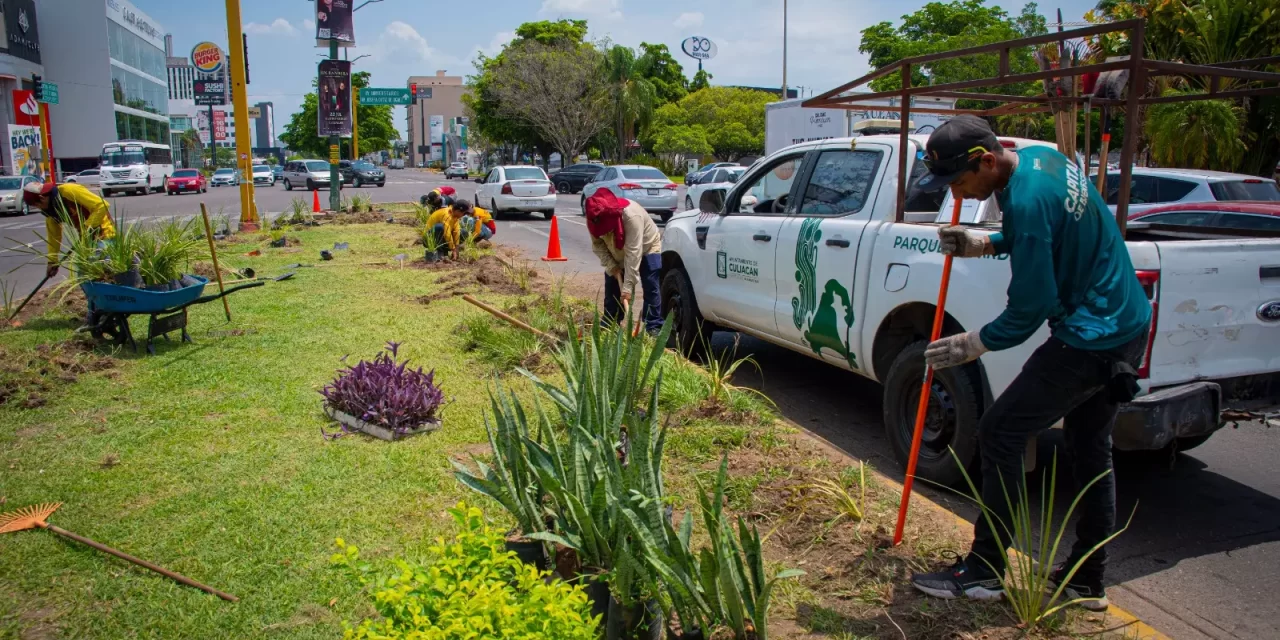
[(1069, 267)]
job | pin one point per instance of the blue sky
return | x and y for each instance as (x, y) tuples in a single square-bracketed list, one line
[(418, 37)]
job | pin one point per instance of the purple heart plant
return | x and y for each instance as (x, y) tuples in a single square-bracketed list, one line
[(387, 393)]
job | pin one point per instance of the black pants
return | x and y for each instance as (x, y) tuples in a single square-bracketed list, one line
[(650, 267), (1058, 381)]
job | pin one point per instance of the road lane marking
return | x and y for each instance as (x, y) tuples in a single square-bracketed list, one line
[(526, 227), (28, 245)]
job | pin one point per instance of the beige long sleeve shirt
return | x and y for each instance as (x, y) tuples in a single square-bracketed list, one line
[(640, 238)]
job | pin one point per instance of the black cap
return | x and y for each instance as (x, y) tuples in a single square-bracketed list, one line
[(463, 206), (952, 149)]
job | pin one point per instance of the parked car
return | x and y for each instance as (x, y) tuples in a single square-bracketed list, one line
[(262, 174), (574, 177), (225, 178), (722, 178), (638, 183), (186, 181), (309, 174), (277, 171), (1153, 187), (1241, 215), (517, 188), (691, 179), (88, 177), (11, 194), (456, 170), (361, 172)]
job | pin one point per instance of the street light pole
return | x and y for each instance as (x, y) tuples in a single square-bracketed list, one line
[(784, 49), (240, 102)]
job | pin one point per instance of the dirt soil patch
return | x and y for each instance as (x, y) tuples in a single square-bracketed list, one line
[(28, 375), (364, 217), (65, 305), (489, 274)]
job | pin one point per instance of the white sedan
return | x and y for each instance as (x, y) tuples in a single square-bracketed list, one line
[(516, 188), (722, 178)]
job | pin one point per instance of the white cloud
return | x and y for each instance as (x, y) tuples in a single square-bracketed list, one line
[(610, 9), (309, 24), (279, 26), (689, 20), (400, 41)]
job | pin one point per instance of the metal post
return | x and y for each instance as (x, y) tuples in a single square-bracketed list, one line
[(46, 136), (784, 49), (1137, 85), (240, 102), (422, 107), (335, 179), (355, 122), (213, 142), (904, 145)]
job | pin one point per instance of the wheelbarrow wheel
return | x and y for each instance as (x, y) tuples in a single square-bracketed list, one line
[(112, 327)]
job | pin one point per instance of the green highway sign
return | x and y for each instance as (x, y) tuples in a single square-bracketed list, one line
[(48, 93), (375, 96)]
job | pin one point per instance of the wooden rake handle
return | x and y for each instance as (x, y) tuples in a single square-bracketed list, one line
[(138, 561)]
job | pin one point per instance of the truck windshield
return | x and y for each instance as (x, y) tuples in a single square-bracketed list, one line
[(123, 158)]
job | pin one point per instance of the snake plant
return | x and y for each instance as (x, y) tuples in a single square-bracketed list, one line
[(511, 481)]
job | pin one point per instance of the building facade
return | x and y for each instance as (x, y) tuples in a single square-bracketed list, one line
[(440, 97), (20, 57), (184, 114), (265, 126), (110, 66)]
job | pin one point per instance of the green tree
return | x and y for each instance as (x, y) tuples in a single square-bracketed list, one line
[(374, 121), (701, 80), (663, 71), (682, 139), (631, 95), (730, 121), (1205, 134)]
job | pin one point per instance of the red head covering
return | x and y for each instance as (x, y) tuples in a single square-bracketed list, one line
[(604, 214), (35, 190), (446, 191)]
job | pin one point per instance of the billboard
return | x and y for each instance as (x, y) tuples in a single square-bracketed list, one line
[(334, 22), (21, 38), (207, 57), (210, 92), (25, 109), (219, 126), (437, 137), (334, 113), (23, 149)]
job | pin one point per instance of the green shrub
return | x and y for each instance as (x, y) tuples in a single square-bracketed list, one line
[(473, 589)]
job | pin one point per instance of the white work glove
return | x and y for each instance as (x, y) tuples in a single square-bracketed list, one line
[(958, 242), (954, 350)]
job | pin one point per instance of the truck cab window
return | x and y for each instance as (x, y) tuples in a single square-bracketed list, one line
[(769, 191), (840, 183)]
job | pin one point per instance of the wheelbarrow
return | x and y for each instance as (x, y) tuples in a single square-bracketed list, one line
[(112, 304)]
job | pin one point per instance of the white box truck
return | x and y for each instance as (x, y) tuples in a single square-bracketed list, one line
[(787, 123)]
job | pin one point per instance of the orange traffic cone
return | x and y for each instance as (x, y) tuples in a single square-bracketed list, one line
[(315, 201), (553, 244)]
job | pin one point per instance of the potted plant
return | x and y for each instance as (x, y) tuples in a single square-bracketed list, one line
[(432, 244), (385, 398)]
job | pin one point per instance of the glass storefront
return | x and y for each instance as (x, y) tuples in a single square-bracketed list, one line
[(129, 89), (135, 52), (134, 127)]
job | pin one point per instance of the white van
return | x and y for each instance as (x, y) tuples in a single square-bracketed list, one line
[(135, 166)]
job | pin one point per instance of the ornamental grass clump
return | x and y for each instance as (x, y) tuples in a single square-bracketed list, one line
[(387, 393)]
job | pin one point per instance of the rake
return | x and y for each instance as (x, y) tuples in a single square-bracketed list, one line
[(34, 516)]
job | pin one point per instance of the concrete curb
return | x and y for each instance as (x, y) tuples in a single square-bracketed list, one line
[(1134, 627)]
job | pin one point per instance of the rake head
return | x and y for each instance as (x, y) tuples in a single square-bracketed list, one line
[(27, 517)]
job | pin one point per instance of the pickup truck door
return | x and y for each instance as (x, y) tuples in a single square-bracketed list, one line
[(738, 254), (818, 249)]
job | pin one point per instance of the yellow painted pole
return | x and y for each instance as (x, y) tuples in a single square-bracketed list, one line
[(46, 146), (355, 123), (240, 101)]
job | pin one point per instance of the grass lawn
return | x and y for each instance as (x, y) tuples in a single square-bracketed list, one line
[(209, 459)]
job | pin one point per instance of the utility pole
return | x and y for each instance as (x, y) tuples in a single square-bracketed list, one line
[(784, 49), (355, 121), (335, 179), (240, 100)]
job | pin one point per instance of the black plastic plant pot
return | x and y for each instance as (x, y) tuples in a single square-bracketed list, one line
[(678, 633), (530, 552), (130, 278), (279, 243), (597, 590), (639, 621), (432, 256)]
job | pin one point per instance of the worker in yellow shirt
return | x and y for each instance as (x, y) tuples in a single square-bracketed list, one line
[(449, 223), (68, 203)]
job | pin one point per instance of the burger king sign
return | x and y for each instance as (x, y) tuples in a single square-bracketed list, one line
[(207, 57)]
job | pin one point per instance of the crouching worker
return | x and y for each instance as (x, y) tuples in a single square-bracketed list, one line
[(439, 197), (68, 203), (629, 246), (450, 223)]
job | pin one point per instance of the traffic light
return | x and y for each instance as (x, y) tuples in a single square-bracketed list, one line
[(38, 89), (245, 40)]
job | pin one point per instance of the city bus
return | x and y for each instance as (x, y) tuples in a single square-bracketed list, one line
[(135, 166)]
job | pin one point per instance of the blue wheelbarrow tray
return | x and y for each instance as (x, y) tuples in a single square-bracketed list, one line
[(114, 298)]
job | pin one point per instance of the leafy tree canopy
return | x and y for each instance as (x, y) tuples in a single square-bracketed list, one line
[(729, 120)]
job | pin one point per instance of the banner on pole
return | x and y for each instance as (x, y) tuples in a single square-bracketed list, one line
[(23, 149), (219, 126), (335, 21), (334, 111)]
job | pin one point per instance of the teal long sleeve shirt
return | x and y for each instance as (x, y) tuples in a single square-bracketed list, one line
[(1069, 264)]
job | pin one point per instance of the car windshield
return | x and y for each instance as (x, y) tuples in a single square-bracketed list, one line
[(186, 173), (262, 168), (1254, 189), (10, 184), (643, 173), (365, 166), (525, 173), (123, 158), (224, 172), (317, 165), (707, 168)]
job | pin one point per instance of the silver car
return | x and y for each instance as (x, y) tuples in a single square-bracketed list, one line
[(11, 194), (89, 177), (308, 174), (637, 183), (1152, 188)]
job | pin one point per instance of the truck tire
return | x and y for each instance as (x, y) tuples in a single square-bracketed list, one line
[(691, 333), (954, 411)]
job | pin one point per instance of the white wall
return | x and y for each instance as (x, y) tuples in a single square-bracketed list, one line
[(73, 37)]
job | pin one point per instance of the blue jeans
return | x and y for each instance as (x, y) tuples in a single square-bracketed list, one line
[(650, 268)]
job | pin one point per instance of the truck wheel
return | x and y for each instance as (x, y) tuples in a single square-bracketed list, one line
[(691, 334), (952, 422)]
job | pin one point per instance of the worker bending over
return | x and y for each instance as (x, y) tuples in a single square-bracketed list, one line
[(1069, 266), (629, 246), (68, 203), (450, 223), (439, 197)]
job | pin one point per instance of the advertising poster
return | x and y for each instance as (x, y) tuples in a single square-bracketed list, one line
[(219, 126), (334, 22), (334, 111), (437, 137), (25, 109), (24, 146)]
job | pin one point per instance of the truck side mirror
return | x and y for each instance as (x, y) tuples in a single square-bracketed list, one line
[(711, 201)]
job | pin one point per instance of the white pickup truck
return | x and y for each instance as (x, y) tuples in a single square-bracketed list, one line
[(803, 252)]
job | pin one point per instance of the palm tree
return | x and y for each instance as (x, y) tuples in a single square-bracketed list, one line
[(191, 142), (1204, 134), (632, 95)]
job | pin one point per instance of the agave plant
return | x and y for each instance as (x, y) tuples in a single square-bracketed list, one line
[(511, 481)]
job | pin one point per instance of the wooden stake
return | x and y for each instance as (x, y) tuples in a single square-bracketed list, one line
[(213, 252), (514, 322)]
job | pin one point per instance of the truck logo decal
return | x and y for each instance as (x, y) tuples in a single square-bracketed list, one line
[(820, 316), (722, 264), (1269, 311), (930, 245)]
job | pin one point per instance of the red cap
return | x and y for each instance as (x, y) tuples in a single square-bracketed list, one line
[(35, 190)]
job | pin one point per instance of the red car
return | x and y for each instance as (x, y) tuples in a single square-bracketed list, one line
[(1232, 214), (186, 181)]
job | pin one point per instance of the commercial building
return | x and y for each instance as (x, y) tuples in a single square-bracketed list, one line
[(185, 115), (438, 99), (19, 59), (265, 125)]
